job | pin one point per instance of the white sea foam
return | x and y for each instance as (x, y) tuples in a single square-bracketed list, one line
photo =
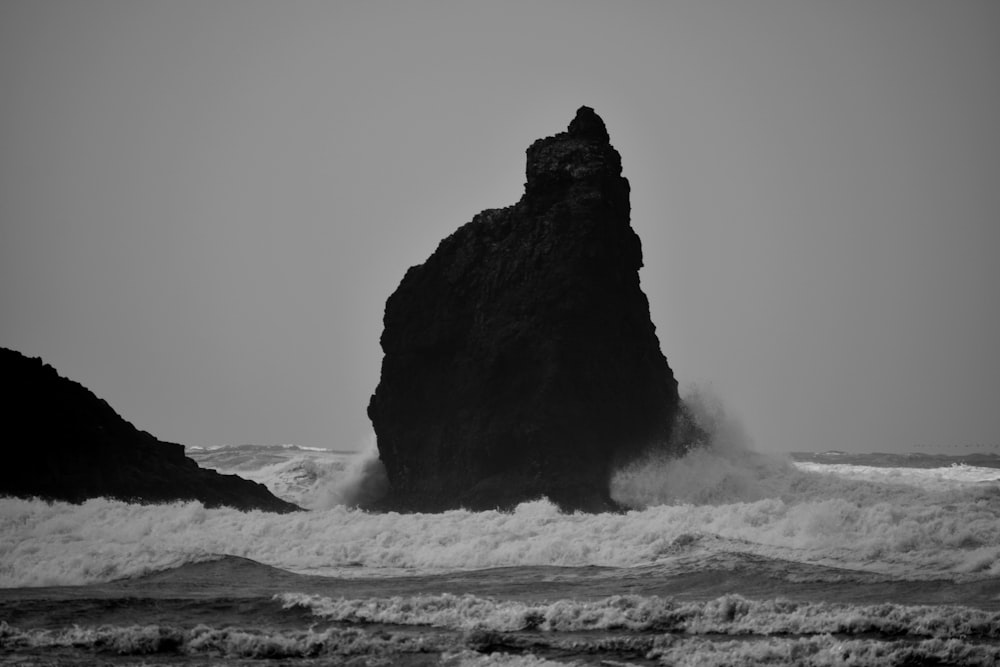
[(729, 614), (322, 450), (470, 649), (893, 529), (363, 481), (819, 651), (355, 645), (718, 500), (229, 642), (310, 477), (306, 481), (469, 658), (942, 478), (729, 470), (915, 522)]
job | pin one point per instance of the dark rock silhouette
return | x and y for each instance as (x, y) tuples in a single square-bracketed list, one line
[(520, 359), (62, 442)]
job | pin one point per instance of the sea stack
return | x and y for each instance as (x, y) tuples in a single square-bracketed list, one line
[(520, 360)]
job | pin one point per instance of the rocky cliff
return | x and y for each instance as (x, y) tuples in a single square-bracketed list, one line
[(61, 442), (520, 360)]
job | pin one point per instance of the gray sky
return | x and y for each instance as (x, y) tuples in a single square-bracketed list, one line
[(205, 204)]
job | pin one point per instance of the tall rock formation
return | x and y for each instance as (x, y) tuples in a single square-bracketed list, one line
[(520, 359), (61, 442)]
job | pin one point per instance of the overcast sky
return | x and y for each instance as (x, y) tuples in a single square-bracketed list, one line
[(205, 204)]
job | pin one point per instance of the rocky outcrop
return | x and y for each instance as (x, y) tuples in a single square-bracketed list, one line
[(520, 360), (61, 442)]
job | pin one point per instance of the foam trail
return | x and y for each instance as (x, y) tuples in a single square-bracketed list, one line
[(818, 651), (163, 644), (730, 614)]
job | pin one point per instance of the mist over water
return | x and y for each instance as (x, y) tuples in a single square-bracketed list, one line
[(363, 481)]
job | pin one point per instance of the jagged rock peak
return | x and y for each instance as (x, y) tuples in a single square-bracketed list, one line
[(520, 358), (588, 125), (582, 156)]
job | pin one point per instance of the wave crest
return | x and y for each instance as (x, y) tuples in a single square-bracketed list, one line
[(730, 614)]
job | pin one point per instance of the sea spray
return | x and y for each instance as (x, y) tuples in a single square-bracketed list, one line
[(724, 468), (364, 480)]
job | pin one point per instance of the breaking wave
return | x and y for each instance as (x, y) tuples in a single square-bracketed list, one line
[(364, 481), (472, 649), (468, 630), (307, 476), (727, 615), (718, 500), (818, 651), (725, 470), (894, 529), (213, 642)]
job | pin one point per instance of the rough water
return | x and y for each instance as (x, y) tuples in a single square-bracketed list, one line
[(728, 557)]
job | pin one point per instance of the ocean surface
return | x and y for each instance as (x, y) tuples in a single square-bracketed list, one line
[(729, 557)]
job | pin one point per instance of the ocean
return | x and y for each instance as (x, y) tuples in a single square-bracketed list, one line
[(729, 557)]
